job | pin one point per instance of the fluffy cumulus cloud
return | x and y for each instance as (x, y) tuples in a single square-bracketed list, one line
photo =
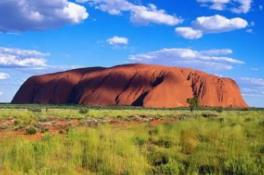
[(4, 76), (24, 15), (13, 57), (211, 24), (117, 41), (218, 23), (150, 14), (236, 6), (139, 14), (210, 60)]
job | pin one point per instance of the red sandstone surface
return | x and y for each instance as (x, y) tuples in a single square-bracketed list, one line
[(133, 85)]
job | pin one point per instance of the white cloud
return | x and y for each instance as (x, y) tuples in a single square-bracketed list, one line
[(208, 60), (117, 40), (1, 93), (215, 52), (13, 57), (236, 6), (150, 14), (215, 4), (218, 23), (244, 7), (4, 76), (251, 86), (253, 81), (139, 14), (211, 24), (25, 15), (113, 7), (189, 33)]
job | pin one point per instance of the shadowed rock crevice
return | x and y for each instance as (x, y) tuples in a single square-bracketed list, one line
[(140, 100), (157, 81), (129, 83)]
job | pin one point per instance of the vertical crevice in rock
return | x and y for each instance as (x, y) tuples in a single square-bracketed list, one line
[(140, 100), (157, 81), (125, 88)]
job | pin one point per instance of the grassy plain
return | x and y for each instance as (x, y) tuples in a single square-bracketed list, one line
[(173, 141)]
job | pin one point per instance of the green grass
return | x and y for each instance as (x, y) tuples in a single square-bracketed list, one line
[(77, 111), (231, 142)]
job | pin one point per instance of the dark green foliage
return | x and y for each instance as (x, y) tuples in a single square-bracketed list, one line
[(163, 142), (206, 169), (83, 111), (219, 109), (139, 141), (209, 115), (193, 103), (31, 130), (158, 158), (35, 109), (261, 150)]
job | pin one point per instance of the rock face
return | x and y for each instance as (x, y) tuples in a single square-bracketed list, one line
[(133, 85)]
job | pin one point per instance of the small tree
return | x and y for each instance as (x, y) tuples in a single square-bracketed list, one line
[(83, 111), (193, 103)]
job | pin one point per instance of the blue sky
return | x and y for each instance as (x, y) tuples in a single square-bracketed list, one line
[(223, 37)]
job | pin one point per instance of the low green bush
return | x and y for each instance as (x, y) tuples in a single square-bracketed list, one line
[(83, 111), (31, 130), (34, 109)]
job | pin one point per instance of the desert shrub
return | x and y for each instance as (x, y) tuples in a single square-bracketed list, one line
[(139, 140), (153, 131), (35, 109), (158, 158), (161, 142), (17, 122), (193, 103), (43, 130), (261, 149), (83, 111), (219, 109), (209, 115), (31, 130)]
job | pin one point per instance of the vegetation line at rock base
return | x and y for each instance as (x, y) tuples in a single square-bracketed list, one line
[(74, 106)]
